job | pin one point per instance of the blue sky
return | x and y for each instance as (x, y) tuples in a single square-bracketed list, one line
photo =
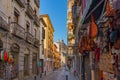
[(57, 11)]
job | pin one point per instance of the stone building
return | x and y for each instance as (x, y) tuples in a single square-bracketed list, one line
[(19, 35)]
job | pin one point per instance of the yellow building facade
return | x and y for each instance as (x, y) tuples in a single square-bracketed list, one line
[(48, 43), (57, 57)]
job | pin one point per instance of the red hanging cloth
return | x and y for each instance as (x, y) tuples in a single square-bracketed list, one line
[(93, 28), (109, 10)]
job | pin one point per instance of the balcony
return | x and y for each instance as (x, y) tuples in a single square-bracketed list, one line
[(69, 21), (17, 30), (71, 36), (29, 11), (36, 20), (29, 38), (37, 2), (3, 24), (37, 42), (69, 10), (21, 3), (50, 55)]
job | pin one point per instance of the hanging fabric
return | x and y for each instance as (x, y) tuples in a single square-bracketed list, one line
[(10, 58), (93, 28), (117, 44), (116, 4), (81, 45), (97, 54), (113, 36), (109, 10), (5, 56)]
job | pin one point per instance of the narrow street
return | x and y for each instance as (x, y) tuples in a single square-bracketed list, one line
[(59, 75)]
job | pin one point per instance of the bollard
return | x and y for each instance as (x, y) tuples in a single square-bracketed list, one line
[(66, 77)]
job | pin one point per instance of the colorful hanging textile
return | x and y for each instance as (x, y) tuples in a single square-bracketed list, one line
[(117, 44), (80, 46), (10, 58), (86, 44), (109, 10), (97, 54), (5, 56), (93, 28)]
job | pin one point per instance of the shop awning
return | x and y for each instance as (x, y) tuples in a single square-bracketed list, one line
[(96, 8)]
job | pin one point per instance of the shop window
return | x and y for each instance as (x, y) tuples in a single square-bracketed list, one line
[(27, 27), (16, 15)]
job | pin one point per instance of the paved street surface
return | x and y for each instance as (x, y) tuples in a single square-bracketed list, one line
[(59, 75)]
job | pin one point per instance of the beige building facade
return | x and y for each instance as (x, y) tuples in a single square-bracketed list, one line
[(19, 35)]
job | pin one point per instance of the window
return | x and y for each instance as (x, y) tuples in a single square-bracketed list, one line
[(35, 33), (27, 27), (35, 11), (28, 1), (16, 17)]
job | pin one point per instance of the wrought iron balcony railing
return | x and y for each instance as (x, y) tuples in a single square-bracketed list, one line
[(29, 37), (3, 24), (36, 20), (36, 42), (21, 3), (17, 30), (71, 36), (29, 11)]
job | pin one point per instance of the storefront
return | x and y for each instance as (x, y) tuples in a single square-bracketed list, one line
[(8, 69), (41, 65)]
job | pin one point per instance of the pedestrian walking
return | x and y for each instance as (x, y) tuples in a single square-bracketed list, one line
[(66, 72)]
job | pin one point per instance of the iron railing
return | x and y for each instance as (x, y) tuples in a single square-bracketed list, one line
[(17, 30)]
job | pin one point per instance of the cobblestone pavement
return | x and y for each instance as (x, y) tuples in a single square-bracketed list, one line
[(60, 75)]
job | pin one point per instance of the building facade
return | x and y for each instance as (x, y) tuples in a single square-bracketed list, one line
[(42, 38), (94, 26), (57, 57), (19, 30), (62, 48), (48, 43), (70, 27)]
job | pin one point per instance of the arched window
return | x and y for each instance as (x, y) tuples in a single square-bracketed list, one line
[(1, 45)]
